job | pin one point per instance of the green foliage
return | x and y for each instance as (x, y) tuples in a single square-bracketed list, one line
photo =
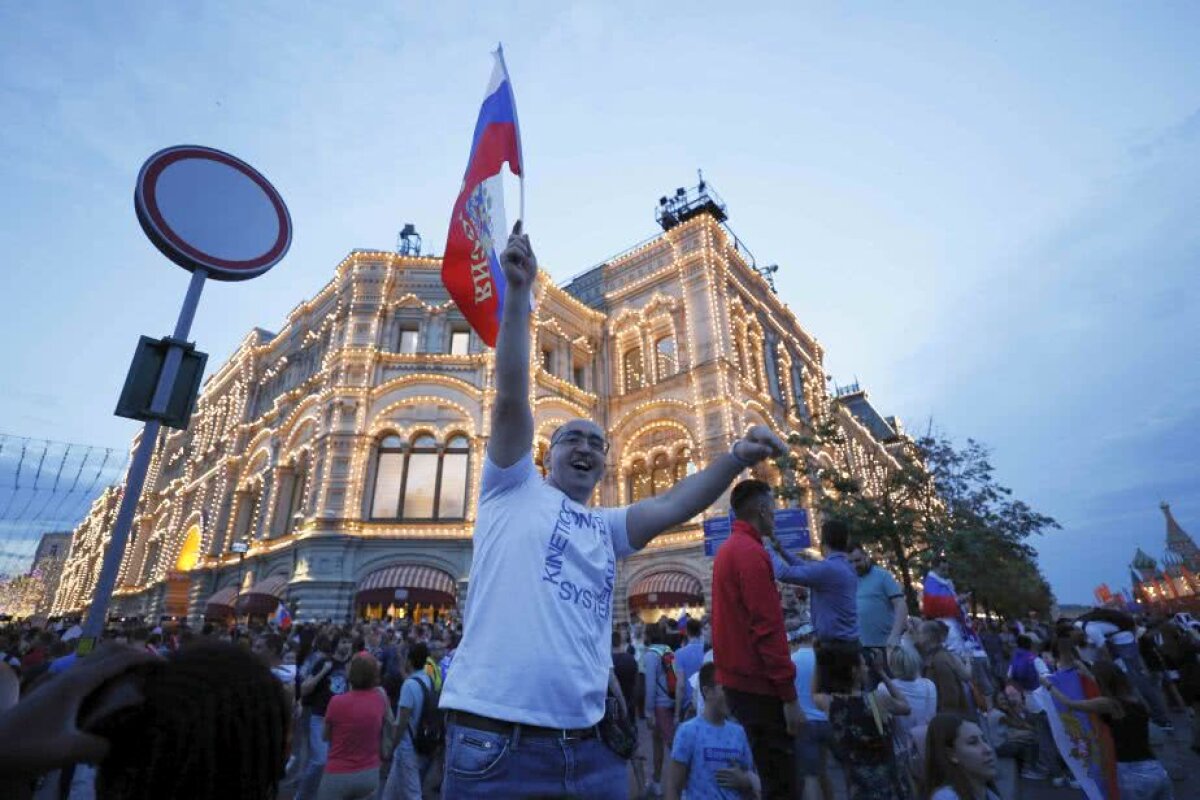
[(940, 499)]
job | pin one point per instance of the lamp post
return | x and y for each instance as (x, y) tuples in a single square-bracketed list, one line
[(240, 547)]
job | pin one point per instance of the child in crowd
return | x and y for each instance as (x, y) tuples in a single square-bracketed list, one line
[(711, 754)]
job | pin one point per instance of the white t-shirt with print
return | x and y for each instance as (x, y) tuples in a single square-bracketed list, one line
[(537, 636)]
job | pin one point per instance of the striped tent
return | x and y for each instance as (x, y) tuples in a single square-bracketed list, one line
[(263, 597), (420, 584), (220, 605), (666, 589)]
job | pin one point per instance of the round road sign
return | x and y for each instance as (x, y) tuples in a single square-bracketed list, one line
[(205, 209)]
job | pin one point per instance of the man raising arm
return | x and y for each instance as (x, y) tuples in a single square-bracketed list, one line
[(534, 658)]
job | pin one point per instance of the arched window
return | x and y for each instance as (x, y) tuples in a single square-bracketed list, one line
[(452, 481), (665, 362), (421, 480), (663, 472), (739, 355), (295, 506), (389, 476), (639, 482), (248, 499), (635, 377), (683, 465), (661, 476)]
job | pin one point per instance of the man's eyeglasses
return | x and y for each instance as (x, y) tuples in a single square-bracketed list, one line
[(574, 438)]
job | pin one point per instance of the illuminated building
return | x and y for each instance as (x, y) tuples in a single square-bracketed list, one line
[(345, 450), (1176, 585)]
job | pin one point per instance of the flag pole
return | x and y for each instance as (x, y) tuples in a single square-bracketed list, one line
[(517, 121)]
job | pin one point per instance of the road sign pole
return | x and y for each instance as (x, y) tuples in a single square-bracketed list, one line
[(140, 465)]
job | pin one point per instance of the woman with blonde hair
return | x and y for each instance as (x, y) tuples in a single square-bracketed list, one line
[(921, 694)]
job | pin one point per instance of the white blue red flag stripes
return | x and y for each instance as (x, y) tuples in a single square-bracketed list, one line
[(938, 600), (478, 231)]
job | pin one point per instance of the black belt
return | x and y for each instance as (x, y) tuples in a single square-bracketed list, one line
[(469, 720)]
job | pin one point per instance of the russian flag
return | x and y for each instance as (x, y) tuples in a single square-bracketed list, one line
[(938, 600), (478, 231), (282, 618)]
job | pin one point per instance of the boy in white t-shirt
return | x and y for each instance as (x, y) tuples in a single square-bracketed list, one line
[(711, 755), (542, 580)]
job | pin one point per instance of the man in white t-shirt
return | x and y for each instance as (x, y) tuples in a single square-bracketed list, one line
[(531, 672)]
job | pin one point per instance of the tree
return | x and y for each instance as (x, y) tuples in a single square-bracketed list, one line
[(21, 594), (986, 538), (892, 523), (936, 499)]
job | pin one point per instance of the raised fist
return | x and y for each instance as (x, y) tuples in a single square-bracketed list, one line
[(518, 261), (759, 443)]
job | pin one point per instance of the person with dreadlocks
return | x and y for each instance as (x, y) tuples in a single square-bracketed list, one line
[(211, 723)]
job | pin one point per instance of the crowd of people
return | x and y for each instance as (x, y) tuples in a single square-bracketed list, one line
[(539, 691)]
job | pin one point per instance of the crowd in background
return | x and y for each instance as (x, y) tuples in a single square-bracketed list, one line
[(351, 710)]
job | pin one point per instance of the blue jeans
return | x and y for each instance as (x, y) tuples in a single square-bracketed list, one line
[(318, 754), (408, 773), (815, 736), (496, 766), (1143, 780)]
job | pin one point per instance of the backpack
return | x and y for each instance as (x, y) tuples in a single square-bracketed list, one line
[(667, 660), (1024, 673), (431, 727)]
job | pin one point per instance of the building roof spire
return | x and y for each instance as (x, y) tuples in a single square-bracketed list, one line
[(1175, 533), (1143, 562)]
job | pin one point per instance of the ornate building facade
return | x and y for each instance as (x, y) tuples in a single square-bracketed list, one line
[(1174, 586), (343, 453)]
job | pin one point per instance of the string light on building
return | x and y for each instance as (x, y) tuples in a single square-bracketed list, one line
[(288, 432)]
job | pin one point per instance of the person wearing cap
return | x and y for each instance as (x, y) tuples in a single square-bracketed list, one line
[(531, 673)]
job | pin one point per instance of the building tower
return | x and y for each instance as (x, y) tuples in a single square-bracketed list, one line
[(1179, 542)]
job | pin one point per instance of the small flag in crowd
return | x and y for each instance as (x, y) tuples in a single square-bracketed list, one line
[(938, 600), (283, 617), (478, 231)]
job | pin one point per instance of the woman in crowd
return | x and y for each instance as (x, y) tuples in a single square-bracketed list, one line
[(1139, 774), (921, 694), (959, 762), (356, 723), (861, 726)]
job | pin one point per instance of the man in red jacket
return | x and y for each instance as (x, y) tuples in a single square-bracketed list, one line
[(750, 649)]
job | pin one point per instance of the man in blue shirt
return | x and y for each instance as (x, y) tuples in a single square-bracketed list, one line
[(882, 612), (832, 583), (687, 663)]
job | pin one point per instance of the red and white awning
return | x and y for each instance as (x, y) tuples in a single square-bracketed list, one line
[(223, 597), (273, 586), (667, 583), (408, 576)]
